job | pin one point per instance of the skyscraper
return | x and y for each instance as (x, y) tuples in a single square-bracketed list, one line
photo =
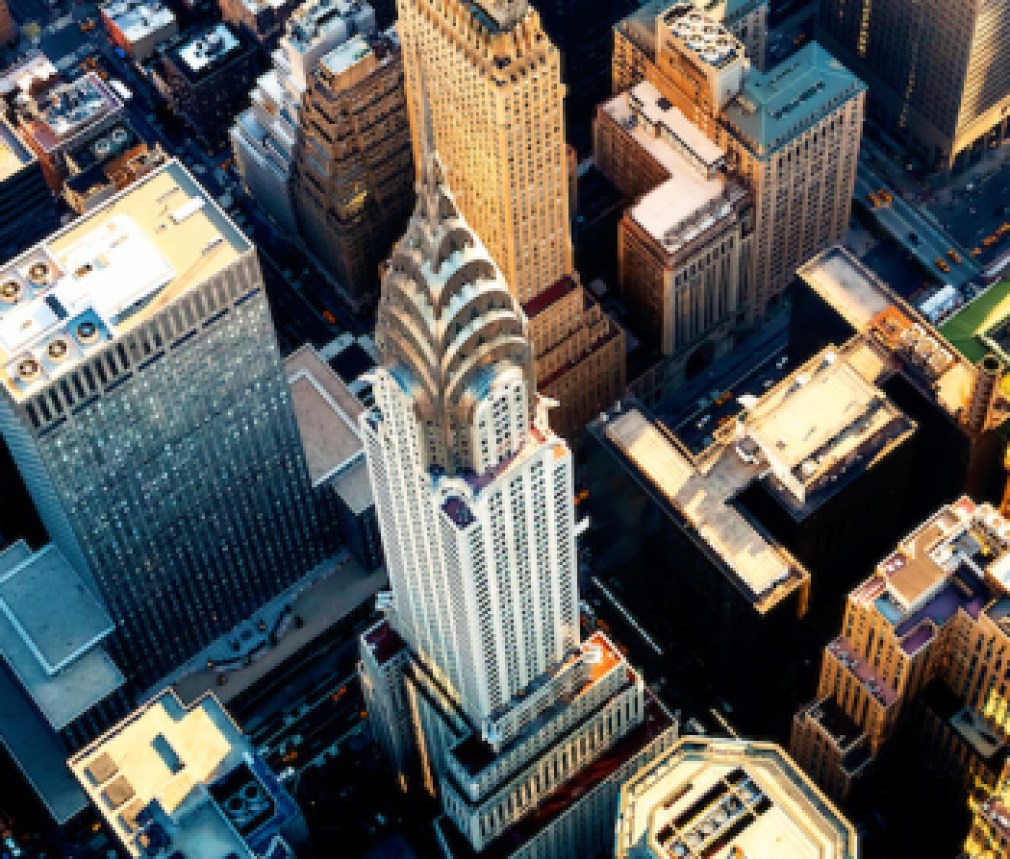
[(494, 81), (479, 668), (938, 71), (143, 399)]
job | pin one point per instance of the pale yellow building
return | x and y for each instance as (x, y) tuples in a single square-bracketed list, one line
[(493, 82)]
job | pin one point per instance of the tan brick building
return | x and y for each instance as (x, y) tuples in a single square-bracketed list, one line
[(682, 245), (935, 611), (791, 134), (493, 80), (352, 185)]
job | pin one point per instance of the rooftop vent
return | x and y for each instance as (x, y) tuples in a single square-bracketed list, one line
[(57, 350), (87, 332), (10, 292), (28, 369), (40, 273)]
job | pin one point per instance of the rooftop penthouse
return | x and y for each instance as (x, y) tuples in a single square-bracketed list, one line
[(955, 561), (327, 20), (721, 797), (109, 271), (808, 436), (202, 55), (62, 113)]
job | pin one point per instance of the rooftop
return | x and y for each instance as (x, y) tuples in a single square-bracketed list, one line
[(656, 722), (136, 19), (316, 19), (721, 797), (208, 50), (777, 105), (107, 272), (14, 155), (51, 631), (709, 40), (327, 415), (344, 56), (695, 195), (702, 493), (950, 563), (172, 774), (810, 433), (65, 111), (820, 422), (847, 285), (37, 752)]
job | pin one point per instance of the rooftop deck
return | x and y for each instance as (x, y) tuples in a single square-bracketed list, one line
[(108, 272)]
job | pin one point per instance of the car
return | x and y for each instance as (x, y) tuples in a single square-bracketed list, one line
[(941, 264), (329, 317), (781, 362), (954, 255)]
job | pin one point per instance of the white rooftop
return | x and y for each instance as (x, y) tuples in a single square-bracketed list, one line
[(721, 797), (702, 497), (93, 281), (137, 19), (343, 57), (200, 53)]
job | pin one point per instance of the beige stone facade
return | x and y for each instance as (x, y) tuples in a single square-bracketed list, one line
[(935, 611), (937, 71), (493, 81)]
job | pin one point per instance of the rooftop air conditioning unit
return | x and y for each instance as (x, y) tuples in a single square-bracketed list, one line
[(86, 332), (40, 273), (57, 350), (10, 292), (28, 369)]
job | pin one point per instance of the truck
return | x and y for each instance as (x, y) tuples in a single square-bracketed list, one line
[(122, 90)]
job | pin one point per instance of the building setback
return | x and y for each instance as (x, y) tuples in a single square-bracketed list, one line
[(146, 407), (791, 133), (477, 683)]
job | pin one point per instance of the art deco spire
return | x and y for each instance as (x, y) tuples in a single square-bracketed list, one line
[(446, 316)]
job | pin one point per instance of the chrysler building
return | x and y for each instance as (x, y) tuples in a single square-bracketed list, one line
[(477, 680)]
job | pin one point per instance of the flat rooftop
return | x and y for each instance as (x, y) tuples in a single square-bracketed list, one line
[(113, 268), (199, 56), (14, 155), (344, 56), (843, 282), (820, 421), (702, 493), (163, 752), (51, 631), (327, 414), (716, 797), (136, 20), (777, 105), (64, 112)]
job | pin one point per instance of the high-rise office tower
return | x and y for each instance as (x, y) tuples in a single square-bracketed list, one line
[(143, 399), (494, 81), (791, 133), (479, 667), (352, 176), (938, 71)]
